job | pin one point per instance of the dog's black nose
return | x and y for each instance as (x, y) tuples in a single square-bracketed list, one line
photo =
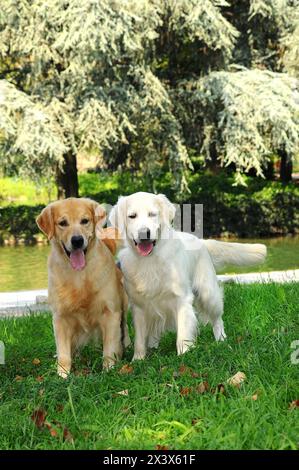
[(77, 241), (144, 234)]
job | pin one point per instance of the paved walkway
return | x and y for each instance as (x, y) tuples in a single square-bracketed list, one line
[(26, 302), (23, 302), (292, 275)]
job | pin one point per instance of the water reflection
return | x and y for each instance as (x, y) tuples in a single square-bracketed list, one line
[(25, 267)]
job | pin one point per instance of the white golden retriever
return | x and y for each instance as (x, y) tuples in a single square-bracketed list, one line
[(170, 276)]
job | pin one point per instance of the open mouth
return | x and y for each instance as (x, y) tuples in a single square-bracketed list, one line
[(77, 258), (145, 247)]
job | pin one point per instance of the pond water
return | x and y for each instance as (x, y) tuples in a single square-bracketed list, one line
[(25, 267)]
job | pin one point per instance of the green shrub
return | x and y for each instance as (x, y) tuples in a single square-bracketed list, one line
[(263, 208), (18, 222)]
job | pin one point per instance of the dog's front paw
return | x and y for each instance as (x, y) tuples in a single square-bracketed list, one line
[(139, 356), (182, 346), (218, 330), (62, 372), (108, 363)]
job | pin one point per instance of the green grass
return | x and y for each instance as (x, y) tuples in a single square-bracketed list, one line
[(19, 191), (261, 323)]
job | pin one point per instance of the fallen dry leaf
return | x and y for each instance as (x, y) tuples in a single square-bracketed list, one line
[(126, 369), (38, 417), (39, 378), (254, 397), (195, 375), (202, 387), (186, 391), (53, 432), (184, 369), (18, 378), (237, 379), (36, 362), (161, 447), (123, 392), (294, 404), (67, 435)]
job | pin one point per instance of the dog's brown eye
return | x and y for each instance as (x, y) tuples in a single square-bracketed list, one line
[(132, 216), (63, 223), (84, 221)]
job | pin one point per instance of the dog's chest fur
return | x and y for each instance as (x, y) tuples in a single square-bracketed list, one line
[(151, 277)]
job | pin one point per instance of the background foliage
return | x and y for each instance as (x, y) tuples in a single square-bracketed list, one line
[(262, 208), (147, 83)]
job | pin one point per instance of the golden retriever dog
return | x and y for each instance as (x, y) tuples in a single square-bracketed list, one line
[(170, 276), (86, 290)]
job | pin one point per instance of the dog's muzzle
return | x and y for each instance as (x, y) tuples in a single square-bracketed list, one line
[(145, 247), (77, 254)]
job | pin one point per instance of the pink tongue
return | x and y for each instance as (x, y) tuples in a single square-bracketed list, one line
[(145, 248), (77, 259)]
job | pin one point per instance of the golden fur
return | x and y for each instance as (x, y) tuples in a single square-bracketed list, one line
[(90, 302)]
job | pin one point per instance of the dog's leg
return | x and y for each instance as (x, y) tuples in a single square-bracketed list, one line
[(111, 333), (212, 307), (140, 327), (127, 340), (186, 327), (63, 339), (218, 330), (209, 295), (125, 332), (153, 341)]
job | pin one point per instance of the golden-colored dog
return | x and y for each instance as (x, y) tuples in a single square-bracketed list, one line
[(85, 286)]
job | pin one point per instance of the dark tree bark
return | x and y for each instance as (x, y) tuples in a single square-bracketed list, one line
[(67, 177), (213, 163), (286, 166), (269, 170)]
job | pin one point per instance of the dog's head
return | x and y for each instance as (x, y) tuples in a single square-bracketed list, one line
[(72, 223), (142, 219)]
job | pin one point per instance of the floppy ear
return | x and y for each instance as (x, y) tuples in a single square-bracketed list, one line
[(45, 221), (117, 216), (99, 214), (167, 209)]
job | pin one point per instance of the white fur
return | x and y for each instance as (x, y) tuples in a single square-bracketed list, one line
[(176, 284)]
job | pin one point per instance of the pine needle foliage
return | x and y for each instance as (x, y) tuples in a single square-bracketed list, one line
[(246, 114), (90, 76)]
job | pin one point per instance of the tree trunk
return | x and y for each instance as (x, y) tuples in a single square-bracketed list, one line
[(286, 166), (67, 177), (213, 163)]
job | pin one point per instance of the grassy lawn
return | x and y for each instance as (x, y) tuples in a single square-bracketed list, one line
[(161, 403)]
